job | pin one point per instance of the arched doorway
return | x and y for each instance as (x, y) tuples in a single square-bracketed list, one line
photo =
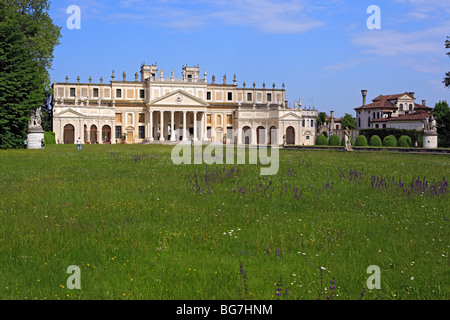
[(260, 135), (94, 134), (219, 135), (273, 136), (69, 134), (106, 134), (246, 135), (85, 134), (290, 135)]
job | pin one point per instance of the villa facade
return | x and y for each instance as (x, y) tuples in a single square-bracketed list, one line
[(155, 107)]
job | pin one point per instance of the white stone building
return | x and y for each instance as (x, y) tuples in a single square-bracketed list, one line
[(155, 107)]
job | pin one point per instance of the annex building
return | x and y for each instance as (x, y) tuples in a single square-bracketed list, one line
[(157, 107)]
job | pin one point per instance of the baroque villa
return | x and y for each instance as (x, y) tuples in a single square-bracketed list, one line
[(155, 107), (398, 111)]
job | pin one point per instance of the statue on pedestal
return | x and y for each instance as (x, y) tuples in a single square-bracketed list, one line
[(35, 131), (348, 145)]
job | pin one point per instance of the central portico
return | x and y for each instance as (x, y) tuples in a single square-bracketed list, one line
[(180, 115)]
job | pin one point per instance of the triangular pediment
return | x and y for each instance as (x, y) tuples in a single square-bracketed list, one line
[(179, 98), (290, 116), (68, 113)]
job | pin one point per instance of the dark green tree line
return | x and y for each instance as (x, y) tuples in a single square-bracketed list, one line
[(27, 40)]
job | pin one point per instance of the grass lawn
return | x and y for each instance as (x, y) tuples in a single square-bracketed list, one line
[(140, 227)]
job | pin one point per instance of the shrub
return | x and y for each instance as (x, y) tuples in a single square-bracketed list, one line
[(390, 141), (375, 141), (322, 140), (334, 140), (404, 141), (361, 141), (49, 138)]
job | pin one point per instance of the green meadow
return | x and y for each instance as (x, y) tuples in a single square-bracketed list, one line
[(140, 227)]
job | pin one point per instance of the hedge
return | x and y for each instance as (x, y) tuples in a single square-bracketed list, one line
[(375, 141), (49, 138), (404, 141), (361, 141), (322, 140), (415, 135), (390, 141), (334, 140)]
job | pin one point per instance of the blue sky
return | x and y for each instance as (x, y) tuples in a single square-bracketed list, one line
[(322, 50)]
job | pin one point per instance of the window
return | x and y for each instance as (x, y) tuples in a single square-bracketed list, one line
[(312, 124), (189, 77), (208, 95), (229, 119), (337, 127), (249, 96), (401, 106), (141, 132), (307, 137), (72, 92), (377, 126), (118, 93), (384, 125), (303, 123), (95, 93), (141, 117), (142, 93), (230, 96), (118, 132), (410, 107), (269, 97)]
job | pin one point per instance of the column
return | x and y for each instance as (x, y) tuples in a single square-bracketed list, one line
[(195, 125), (253, 138), (172, 125), (161, 121), (184, 126), (239, 134), (151, 126), (204, 127)]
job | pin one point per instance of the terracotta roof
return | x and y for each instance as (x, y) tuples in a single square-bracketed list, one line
[(327, 118), (421, 107), (382, 101)]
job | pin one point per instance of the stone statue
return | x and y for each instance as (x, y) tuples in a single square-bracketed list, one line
[(161, 73), (136, 76), (213, 79), (426, 124), (433, 124), (172, 73), (35, 119), (124, 75), (348, 145), (224, 79)]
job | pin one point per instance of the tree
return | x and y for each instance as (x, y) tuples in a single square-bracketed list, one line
[(442, 113), (348, 121), (27, 40), (321, 118), (447, 75), (440, 110)]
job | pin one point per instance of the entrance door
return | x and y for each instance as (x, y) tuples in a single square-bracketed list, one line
[(93, 134), (69, 134), (260, 135), (106, 134), (290, 135), (246, 134)]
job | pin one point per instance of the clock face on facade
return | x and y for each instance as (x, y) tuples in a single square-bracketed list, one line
[(179, 98)]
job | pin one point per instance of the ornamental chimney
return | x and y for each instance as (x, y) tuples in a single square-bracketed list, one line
[(364, 93)]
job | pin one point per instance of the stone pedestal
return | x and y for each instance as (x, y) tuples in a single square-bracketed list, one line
[(430, 140), (35, 135)]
